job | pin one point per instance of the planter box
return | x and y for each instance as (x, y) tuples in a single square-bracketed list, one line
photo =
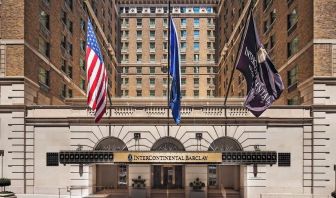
[(197, 194), (138, 193)]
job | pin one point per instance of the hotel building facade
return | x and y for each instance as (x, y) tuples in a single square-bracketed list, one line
[(52, 147)]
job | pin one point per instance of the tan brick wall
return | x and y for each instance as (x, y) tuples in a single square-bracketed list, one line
[(324, 19), (14, 60), (12, 16), (323, 60)]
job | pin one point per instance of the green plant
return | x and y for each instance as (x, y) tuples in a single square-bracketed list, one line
[(197, 185), (5, 182)]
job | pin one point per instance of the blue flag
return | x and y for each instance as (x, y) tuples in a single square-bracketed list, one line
[(264, 84), (175, 73)]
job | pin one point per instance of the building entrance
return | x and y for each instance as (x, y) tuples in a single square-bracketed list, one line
[(167, 176)]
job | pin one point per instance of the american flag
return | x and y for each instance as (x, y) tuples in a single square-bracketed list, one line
[(96, 75)]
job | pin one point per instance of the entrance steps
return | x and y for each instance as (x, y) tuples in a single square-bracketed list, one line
[(214, 193), (171, 193), (229, 193)]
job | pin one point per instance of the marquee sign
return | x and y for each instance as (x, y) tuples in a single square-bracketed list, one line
[(168, 157), (151, 157)]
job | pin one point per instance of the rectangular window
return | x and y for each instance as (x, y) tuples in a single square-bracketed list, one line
[(183, 33), (82, 84), (152, 34), (152, 22), (183, 81), (183, 22), (165, 81), (196, 34), (44, 76), (152, 70), (82, 64), (139, 45), (183, 69), (196, 93), (196, 81), (44, 47), (139, 57), (183, 92), (152, 81), (139, 22), (292, 76), (44, 20), (152, 93), (139, 81), (152, 45), (139, 70), (196, 46), (208, 81), (293, 101), (196, 22), (183, 57), (165, 22), (139, 92), (292, 19), (196, 9), (152, 57), (139, 34), (126, 81), (196, 69), (272, 41), (292, 47), (183, 45), (196, 57)]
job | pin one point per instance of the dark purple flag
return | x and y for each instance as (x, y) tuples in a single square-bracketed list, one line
[(264, 84)]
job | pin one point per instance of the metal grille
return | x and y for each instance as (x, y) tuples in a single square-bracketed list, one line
[(52, 159), (284, 159)]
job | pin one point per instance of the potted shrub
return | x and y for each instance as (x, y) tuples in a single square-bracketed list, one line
[(138, 187), (3, 183), (197, 189)]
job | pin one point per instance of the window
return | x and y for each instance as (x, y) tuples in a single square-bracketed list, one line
[(196, 57), (209, 32), (139, 22), (164, 92), (183, 33), (210, 21), (292, 19), (272, 16), (183, 57), (139, 70), (44, 76), (152, 34), (139, 81), (183, 92), (196, 69), (292, 47), (209, 9), (196, 81), (152, 57), (83, 25), (196, 46), (125, 70), (165, 22), (209, 81), (209, 70), (152, 93), (82, 84), (82, 45), (196, 22), (125, 81), (272, 41), (183, 45), (152, 45), (208, 93), (139, 92), (165, 45), (183, 69), (139, 57), (152, 70), (196, 34), (183, 81), (183, 22), (196, 93), (292, 76), (165, 33), (69, 4), (183, 9), (293, 101), (266, 3), (139, 34), (44, 20), (152, 22), (152, 81), (44, 47), (196, 9), (82, 64), (139, 45), (125, 58), (165, 81)]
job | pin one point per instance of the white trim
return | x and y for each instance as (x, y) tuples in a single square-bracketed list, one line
[(12, 41), (324, 41)]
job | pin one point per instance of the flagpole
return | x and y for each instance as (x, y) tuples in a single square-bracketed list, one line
[(233, 70), (168, 65)]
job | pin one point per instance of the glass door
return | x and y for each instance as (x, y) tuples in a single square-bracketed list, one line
[(212, 176)]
